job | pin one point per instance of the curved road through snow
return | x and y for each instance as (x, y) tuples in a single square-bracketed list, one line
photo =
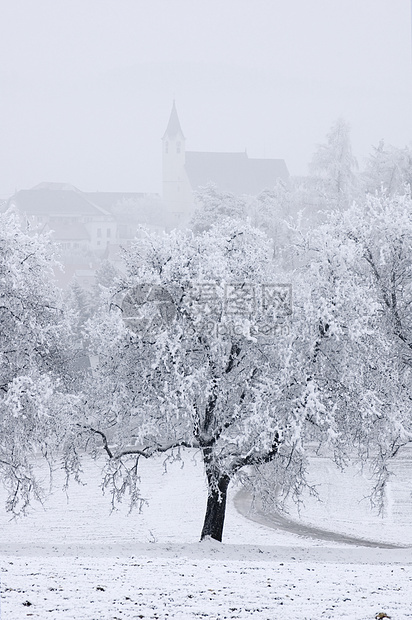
[(275, 520)]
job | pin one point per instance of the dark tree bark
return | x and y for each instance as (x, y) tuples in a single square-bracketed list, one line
[(216, 506)]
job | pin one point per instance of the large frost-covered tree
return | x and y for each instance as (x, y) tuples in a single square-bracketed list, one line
[(360, 270), (180, 364), (33, 364), (197, 349)]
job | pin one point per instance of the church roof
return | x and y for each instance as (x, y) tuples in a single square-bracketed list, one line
[(173, 127), (234, 172)]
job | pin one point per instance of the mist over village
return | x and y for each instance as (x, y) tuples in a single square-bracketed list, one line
[(205, 309)]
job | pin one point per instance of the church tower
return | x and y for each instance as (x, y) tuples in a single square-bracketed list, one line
[(177, 193)]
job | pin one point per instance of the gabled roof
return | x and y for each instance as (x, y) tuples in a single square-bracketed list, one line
[(234, 172), (173, 128), (55, 202)]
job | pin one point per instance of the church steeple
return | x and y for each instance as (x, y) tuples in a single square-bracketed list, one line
[(173, 129), (177, 193)]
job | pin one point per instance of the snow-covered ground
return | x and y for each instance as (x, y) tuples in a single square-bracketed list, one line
[(75, 560)]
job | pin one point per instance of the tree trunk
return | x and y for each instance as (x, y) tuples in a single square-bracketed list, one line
[(216, 507)]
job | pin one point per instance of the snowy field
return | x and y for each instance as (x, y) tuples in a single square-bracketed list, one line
[(73, 560)]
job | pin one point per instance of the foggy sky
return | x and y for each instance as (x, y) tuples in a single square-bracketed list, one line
[(86, 86)]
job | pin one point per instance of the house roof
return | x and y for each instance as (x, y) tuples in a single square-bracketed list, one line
[(55, 202), (234, 172), (107, 200), (53, 186), (173, 128)]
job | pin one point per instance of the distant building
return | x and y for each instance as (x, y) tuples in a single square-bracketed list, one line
[(87, 226), (186, 171), (88, 220), (76, 222)]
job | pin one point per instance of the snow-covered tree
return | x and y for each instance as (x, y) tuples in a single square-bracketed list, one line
[(106, 274), (34, 373), (389, 169), (197, 349), (334, 166), (271, 208), (212, 205), (273, 211), (180, 365), (80, 301), (360, 269)]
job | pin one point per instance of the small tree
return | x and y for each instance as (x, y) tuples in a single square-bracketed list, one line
[(213, 205)]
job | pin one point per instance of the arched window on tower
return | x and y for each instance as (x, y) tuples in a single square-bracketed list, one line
[(178, 147)]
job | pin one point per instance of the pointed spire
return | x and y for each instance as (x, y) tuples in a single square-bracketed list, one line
[(173, 127)]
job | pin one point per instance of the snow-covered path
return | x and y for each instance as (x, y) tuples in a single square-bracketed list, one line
[(75, 560), (278, 521), (343, 514)]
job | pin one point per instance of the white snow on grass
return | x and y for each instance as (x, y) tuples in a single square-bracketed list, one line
[(76, 560), (156, 587)]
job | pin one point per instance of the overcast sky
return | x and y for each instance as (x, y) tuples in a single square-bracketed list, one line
[(86, 86)]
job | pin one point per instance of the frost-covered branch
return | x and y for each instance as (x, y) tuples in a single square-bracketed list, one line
[(149, 451)]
